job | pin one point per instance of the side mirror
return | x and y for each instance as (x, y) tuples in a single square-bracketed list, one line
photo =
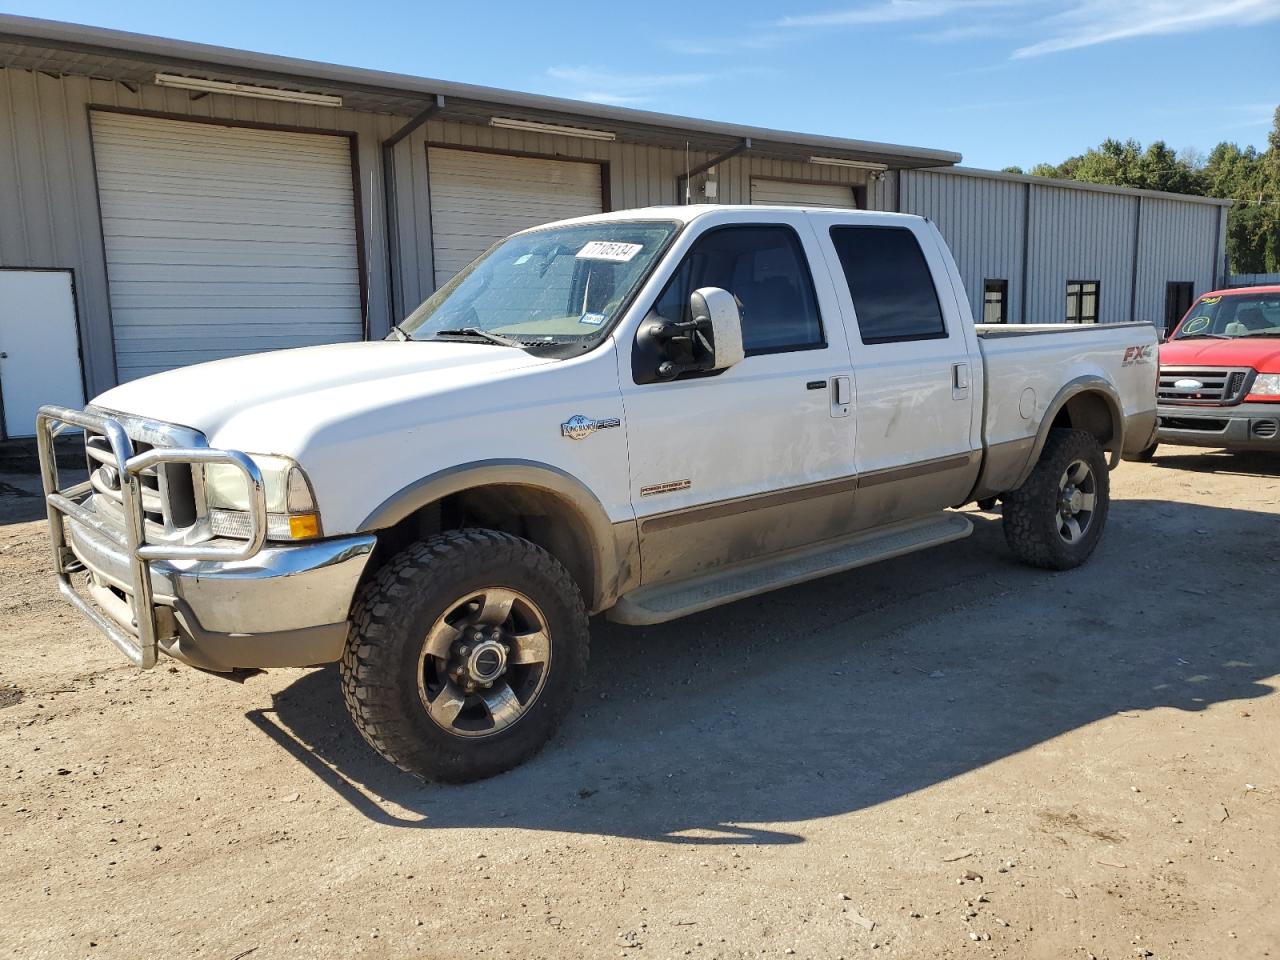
[(715, 312), (708, 342)]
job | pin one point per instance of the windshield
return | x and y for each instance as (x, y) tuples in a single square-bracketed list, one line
[(559, 287), (1231, 316)]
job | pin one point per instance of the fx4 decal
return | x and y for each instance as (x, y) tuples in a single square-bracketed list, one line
[(1141, 354)]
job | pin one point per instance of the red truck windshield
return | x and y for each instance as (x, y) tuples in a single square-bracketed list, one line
[(1233, 315)]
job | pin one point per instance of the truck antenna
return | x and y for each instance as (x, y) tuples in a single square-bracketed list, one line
[(687, 177)]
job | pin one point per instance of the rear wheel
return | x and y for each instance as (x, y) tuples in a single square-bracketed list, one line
[(464, 655), (1055, 519)]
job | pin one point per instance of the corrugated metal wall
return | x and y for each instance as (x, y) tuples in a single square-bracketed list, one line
[(1074, 234), (735, 177), (982, 221), (48, 196), (1079, 235), (1178, 243)]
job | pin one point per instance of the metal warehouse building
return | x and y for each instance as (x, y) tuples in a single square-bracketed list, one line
[(164, 203)]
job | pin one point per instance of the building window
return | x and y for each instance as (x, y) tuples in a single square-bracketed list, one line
[(889, 280), (1082, 301), (995, 299)]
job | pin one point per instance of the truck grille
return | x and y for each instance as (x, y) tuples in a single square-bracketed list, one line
[(168, 491), (1203, 386)]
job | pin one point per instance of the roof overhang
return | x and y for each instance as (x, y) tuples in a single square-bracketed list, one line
[(61, 49)]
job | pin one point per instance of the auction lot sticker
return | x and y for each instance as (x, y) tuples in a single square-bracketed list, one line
[(609, 250)]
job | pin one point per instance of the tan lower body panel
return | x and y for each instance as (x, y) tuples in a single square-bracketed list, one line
[(901, 493), (690, 542), (1004, 466), (667, 601), (675, 546)]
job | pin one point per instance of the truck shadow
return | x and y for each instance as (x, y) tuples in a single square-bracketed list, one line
[(849, 691), (21, 498), (1247, 463)]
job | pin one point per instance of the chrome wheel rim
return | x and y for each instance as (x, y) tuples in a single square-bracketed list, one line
[(1077, 497), (484, 662)]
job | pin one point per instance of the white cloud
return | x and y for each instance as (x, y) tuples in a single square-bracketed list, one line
[(890, 11), (1094, 22), (600, 85), (961, 34)]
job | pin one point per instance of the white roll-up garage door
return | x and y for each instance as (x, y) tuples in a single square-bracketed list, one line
[(478, 198), (786, 194), (222, 241)]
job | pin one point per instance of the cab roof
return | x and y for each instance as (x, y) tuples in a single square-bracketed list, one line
[(689, 212)]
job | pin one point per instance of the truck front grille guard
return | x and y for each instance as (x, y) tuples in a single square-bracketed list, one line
[(139, 641)]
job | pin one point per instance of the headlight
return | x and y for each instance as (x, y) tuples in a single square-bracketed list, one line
[(291, 509), (1266, 385)]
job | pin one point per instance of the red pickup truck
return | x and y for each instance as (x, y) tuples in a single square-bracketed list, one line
[(1220, 374)]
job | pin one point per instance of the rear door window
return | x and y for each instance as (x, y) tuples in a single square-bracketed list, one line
[(890, 284)]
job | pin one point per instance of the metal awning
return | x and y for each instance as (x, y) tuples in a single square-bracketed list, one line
[(70, 49)]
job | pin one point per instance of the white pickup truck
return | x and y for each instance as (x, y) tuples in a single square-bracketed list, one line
[(642, 414)]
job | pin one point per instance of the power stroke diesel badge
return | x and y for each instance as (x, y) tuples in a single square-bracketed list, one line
[(579, 427)]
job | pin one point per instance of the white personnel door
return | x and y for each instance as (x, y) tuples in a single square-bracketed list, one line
[(223, 241), (39, 346), (479, 198), (759, 457)]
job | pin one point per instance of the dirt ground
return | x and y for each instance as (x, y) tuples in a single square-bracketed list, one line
[(946, 755)]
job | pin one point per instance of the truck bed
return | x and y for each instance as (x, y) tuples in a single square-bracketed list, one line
[(1026, 366)]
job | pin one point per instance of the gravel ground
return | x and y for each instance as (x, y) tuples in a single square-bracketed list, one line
[(946, 755)]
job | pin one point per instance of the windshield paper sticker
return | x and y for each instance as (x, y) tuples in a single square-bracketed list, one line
[(609, 250), (592, 319)]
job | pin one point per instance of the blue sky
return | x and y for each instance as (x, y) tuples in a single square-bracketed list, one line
[(1002, 81)]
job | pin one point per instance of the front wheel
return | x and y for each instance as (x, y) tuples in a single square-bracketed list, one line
[(1055, 519), (465, 652)]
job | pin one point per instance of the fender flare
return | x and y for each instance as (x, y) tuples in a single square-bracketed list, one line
[(607, 542), (1089, 383)]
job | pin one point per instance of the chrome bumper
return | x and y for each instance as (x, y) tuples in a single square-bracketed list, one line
[(217, 606)]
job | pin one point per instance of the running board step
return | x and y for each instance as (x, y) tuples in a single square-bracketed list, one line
[(667, 601)]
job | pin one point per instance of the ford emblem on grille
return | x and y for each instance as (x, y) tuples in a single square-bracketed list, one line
[(1188, 385)]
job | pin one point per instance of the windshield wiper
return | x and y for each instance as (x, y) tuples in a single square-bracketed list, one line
[(486, 335), (1202, 336)]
